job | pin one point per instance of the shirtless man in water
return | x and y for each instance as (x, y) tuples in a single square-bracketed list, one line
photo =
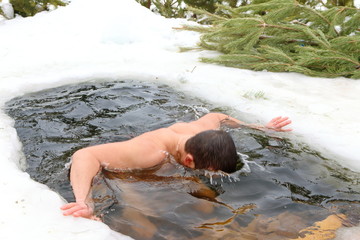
[(197, 144)]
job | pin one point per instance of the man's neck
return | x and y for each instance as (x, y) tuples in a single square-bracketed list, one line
[(177, 150)]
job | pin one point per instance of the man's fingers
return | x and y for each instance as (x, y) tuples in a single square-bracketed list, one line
[(274, 120), (67, 206), (281, 119), (278, 120), (283, 123), (72, 210), (278, 123), (77, 210), (82, 213)]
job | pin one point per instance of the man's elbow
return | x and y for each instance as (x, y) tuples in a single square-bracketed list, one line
[(83, 155), (80, 154)]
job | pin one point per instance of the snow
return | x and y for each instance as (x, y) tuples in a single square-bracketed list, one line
[(117, 40), (7, 9), (357, 3)]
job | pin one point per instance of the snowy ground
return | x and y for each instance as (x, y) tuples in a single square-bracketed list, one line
[(116, 40)]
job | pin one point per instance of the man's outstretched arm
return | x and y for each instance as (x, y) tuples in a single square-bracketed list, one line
[(214, 120), (275, 124), (84, 167)]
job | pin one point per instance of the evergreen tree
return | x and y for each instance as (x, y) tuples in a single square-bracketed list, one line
[(178, 8), (286, 36), (27, 8), (169, 8)]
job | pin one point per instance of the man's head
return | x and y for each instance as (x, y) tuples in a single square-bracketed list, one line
[(213, 150)]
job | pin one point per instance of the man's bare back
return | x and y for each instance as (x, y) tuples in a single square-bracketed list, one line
[(144, 151)]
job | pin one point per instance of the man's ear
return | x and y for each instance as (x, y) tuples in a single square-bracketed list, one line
[(189, 161)]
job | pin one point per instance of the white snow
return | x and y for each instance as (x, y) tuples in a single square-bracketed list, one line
[(357, 3), (116, 40), (7, 9)]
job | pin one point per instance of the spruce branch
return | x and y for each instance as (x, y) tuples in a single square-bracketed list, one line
[(315, 13), (337, 59), (322, 3), (201, 29), (204, 12), (264, 25), (283, 35), (276, 54)]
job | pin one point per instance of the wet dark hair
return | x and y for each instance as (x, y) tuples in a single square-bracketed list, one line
[(213, 149)]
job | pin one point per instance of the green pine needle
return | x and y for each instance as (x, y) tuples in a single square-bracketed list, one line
[(285, 36)]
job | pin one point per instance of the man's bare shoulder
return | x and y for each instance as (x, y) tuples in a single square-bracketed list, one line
[(156, 134), (185, 128), (207, 122)]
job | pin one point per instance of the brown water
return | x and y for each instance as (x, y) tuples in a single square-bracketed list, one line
[(283, 187)]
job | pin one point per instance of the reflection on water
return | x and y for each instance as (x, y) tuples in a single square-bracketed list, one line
[(280, 192)]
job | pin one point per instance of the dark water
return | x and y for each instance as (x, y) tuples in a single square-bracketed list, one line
[(283, 187)]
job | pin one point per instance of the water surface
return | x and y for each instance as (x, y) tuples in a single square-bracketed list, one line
[(280, 188)]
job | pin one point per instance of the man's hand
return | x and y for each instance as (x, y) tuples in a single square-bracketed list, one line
[(78, 210), (278, 123)]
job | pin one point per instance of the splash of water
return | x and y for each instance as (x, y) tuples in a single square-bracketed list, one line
[(212, 175)]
